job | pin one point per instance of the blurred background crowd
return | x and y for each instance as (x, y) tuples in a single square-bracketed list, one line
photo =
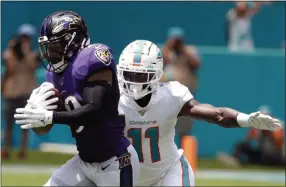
[(227, 53)]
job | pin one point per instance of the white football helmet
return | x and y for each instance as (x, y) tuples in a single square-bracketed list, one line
[(140, 68)]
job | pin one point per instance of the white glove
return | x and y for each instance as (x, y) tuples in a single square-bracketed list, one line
[(47, 84), (33, 118), (39, 96), (259, 121)]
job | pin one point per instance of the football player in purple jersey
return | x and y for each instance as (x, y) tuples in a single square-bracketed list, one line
[(85, 75)]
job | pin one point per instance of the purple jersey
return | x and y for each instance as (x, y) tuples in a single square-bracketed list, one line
[(98, 142)]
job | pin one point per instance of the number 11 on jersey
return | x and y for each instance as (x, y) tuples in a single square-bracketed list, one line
[(137, 137)]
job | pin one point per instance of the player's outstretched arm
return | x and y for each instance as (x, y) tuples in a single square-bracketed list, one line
[(229, 118), (224, 117)]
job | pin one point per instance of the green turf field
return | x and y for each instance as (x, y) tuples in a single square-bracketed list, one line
[(43, 158), (35, 158), (40, 179)]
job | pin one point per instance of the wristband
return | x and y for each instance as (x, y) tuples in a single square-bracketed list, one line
[(243, 120), (49, 117)]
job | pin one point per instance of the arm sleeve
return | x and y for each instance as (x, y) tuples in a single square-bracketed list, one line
[(94, 97)]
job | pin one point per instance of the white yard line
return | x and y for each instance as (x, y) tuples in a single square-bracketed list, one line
[(276, 177)]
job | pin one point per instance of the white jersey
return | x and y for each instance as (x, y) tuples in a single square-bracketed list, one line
[(240, 32), (151, 129)]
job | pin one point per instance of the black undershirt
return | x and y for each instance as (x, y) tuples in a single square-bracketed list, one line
[(94, 97), (143, 102)]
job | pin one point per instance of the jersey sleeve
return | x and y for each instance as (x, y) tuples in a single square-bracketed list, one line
[(89, 61), (181, 92), (92, 59)]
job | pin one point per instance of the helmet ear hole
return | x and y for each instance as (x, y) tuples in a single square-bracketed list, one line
[(70, 54), (68, 37)]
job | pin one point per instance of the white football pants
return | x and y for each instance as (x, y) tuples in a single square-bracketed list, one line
[(123, 171)]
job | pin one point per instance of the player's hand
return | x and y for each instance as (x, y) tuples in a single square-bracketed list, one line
[(44, 84), (33, 118), (264, 122), (39, 98)]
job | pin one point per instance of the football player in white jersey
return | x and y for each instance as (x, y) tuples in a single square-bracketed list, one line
[(152, 108)]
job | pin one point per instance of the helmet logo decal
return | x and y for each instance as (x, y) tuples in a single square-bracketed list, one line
[(138, 53), (159, 54), (64, 23)]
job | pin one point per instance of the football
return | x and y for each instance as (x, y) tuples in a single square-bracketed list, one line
[(61, 107), (60, 103)]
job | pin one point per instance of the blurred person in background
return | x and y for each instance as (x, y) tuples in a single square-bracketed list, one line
[(18, 82), (181, 63), (261, 147), (239, 22)]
